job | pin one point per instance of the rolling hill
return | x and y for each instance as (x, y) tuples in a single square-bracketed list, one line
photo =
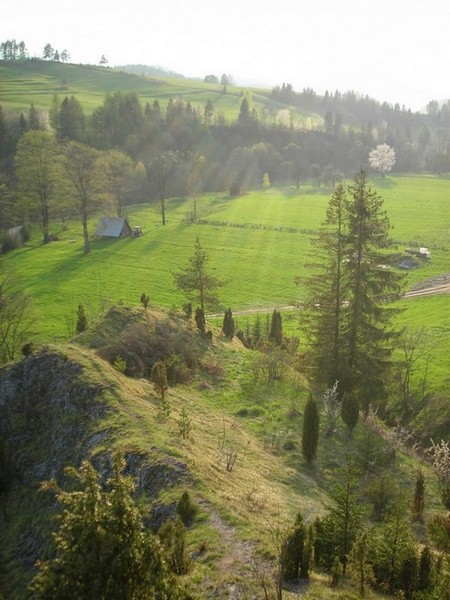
[(36, 81)]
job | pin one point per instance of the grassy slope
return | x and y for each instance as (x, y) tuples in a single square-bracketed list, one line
[(267, 486), (36, 82)]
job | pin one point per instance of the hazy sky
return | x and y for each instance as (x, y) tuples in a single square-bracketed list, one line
[(393, 50)]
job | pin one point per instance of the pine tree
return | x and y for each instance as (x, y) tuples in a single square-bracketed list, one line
[(81, 319), (195, 281), (310, 435), (102, 549), (228, 326), (350, 411), (348, 317), (340, 526)]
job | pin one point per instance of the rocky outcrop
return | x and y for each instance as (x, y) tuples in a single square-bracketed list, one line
[(54, 408)]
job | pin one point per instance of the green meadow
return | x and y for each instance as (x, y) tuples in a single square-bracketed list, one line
[(258, 243), (36, 82)]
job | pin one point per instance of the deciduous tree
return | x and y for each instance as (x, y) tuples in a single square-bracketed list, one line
[(118, 169), (382, 158), (160, 171), (81, 167), (37, 174), (15, 319)]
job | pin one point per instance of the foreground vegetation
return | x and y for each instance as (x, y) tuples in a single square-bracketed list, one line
[(241, 457)]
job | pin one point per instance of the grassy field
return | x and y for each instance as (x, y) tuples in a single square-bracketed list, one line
[(37, 82), (258, 243)]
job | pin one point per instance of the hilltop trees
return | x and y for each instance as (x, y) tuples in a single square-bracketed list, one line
[(11, 50), (347, 312)]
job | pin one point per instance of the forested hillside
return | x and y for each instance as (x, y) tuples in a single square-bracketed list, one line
[(240, 134)]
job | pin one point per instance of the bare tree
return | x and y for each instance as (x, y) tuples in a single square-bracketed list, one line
[(81, 167), (14, 319), (160, 172)]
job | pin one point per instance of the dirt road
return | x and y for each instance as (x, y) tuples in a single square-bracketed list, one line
[(428, 287)]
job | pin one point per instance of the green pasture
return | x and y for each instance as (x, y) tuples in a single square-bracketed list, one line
[(36, 82), (258, 243)]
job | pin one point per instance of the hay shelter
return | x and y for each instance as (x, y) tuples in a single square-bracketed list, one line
[(115, 227)]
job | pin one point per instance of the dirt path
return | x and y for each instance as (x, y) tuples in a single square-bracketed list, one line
[(238, 556), (428, 287), (432, 285)]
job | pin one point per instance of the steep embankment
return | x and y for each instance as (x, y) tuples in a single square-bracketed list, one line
[(58, 407)]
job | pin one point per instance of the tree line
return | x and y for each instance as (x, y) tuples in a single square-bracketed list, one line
[(185, 149), (13, 50)]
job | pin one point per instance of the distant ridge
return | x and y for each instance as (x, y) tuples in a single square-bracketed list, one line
[(149, 71)]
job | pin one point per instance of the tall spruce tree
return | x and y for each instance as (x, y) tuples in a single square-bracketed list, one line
[(276, 328), (324, 305), (348, 311)]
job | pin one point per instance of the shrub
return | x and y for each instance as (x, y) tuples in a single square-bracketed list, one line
[(142, 346), (28, 349), (439, 531), (186, 509), (173, 539), (177, 370), (82, 323), (159, 379)]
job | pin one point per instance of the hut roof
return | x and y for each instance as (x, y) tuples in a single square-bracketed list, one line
[(113, 227)]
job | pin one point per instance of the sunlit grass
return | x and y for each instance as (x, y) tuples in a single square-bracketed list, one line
[(27, 82)]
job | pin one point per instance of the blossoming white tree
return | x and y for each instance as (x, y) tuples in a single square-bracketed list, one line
[(382, 158)]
